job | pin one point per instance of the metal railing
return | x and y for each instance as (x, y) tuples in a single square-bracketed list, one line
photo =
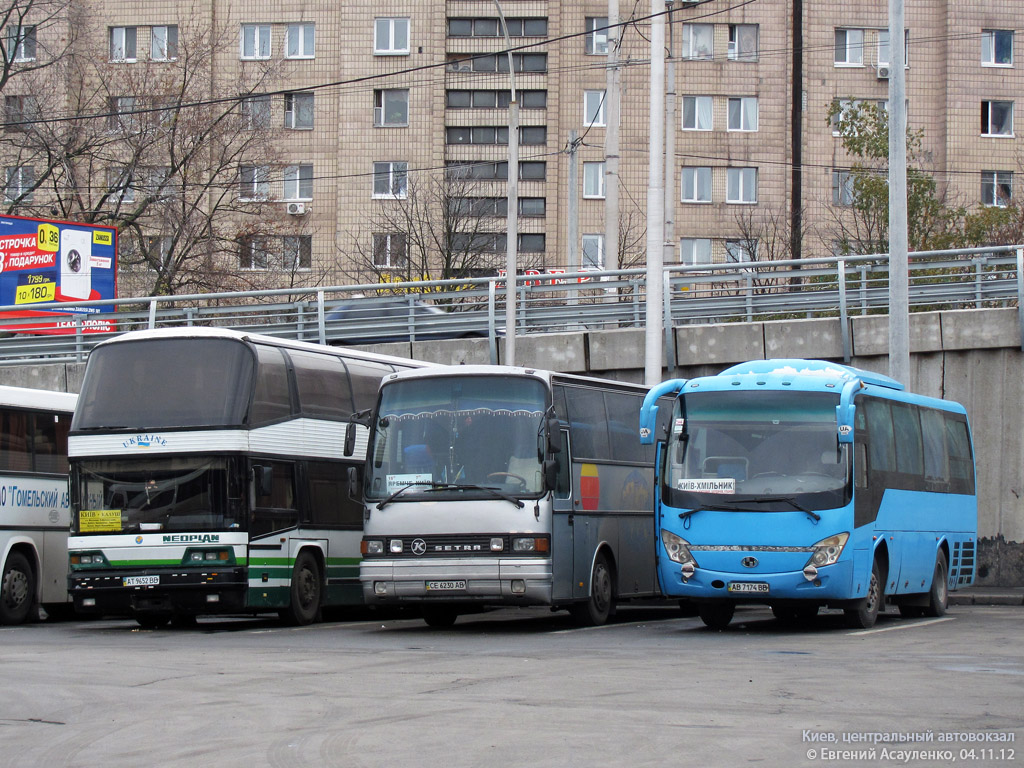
[(475, 308)]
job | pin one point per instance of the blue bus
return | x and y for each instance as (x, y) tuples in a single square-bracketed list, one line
[(803, 483)]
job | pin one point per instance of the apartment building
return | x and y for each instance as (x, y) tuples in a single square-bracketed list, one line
[(356, 128)]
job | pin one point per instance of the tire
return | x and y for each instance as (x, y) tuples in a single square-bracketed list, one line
[(17, 590), (865, 615), (306, 591), (601, 604), (938, 595), (717, 615), (153, 619), (794, 614), (439, 616)]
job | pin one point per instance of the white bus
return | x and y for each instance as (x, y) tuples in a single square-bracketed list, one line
[(498, 486), (210, 475), (34, 509)]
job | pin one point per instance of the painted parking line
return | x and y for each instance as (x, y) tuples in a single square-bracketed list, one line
[(659, 622), (905, 625)]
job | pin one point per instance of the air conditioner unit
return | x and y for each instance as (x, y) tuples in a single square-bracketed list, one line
[(296, 209), (883, 71)]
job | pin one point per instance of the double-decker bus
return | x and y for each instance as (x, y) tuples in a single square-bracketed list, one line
[(34, 509), (500, 486), (805, 483), (209, 475)]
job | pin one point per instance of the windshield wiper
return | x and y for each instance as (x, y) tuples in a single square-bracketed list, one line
[(789, 500), (722, 506), (432, 485)]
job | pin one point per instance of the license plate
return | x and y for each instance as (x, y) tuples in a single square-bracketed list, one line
[(141, 581), (445, 586), (747, 586)]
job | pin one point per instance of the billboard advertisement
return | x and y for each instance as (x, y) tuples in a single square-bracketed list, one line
[(46, 262)]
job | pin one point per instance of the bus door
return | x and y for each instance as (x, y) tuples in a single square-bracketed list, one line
[(562, 524)]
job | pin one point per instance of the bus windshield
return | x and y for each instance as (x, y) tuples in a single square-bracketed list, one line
[(766, 451), (167, 494), (458, 434), (161, 383)]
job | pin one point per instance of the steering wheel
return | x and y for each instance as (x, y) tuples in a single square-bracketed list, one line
[(502, 475)]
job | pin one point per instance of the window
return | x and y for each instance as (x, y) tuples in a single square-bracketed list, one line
[(253, 182), (298, 111), (119, 182), (695, 250), (740, 251), (255, 112), (523, 62), (743, 113), (849, 48), (390, 180), (530, 207), (297, 252), (997, 47), (391, 108), (996, 188), (155, 181), (843, 114), (743, 42), (741, 185), (20, 181), (593, 252), (593, 109), (698, 41), (19, 111), (298, 182), (464, 99), (491, 27), (299, 41), (997, 118), (390, 250), (596, 41), (697, 113), (121, 113), (254, 253), (883, 47), (255, 42), (21, 44), (531, 135), (122, 43), (476, 170), (391, 37), (532, 242), (163, 43), (533, 170), (842, 187), (696, 185), (593, 180)]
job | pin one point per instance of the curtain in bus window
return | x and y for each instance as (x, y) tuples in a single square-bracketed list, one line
[(933, 433), (15, 453), (907, 431), (271, 400), (323, 385)]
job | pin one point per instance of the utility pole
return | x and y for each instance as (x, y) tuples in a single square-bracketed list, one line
[(670, 143), (612, 101), (655, 198), (573, 209), (899, 304), (512, 228)]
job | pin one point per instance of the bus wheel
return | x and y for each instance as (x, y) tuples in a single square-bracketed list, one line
[(600, 605), (153, 619), (865, 615), (17, 590), (305, 593), (439, 615), (938, 595), (717, 615)]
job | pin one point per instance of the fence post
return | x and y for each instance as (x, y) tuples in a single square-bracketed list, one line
[(666, 313), (844, 322), (320, 318), (79, 341), (152, 314), (1020, 293), (979, 264), (750, 296), (492, 329)]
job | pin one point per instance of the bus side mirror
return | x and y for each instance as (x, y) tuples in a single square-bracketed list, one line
[(263, 478), (550, 467), (554, 431), (353, 484), (350, 439)]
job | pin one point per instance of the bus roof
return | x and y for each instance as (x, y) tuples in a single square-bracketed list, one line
[(37, 399), (199, 332), (786, 369), (506, 370)]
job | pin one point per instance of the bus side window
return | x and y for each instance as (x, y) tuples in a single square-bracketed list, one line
[(563, 485), (861, 465), (329, 501), (276, 510), (15, 455)]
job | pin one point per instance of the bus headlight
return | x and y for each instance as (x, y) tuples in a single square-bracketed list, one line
[(827, 551), (529, 544), (677, 549), (372, 547)]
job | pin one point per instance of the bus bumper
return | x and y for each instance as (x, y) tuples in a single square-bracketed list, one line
[(833, 583), (186, 591), (485, 581)]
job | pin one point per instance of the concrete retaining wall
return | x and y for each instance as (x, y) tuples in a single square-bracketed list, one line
[(972, 356)]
